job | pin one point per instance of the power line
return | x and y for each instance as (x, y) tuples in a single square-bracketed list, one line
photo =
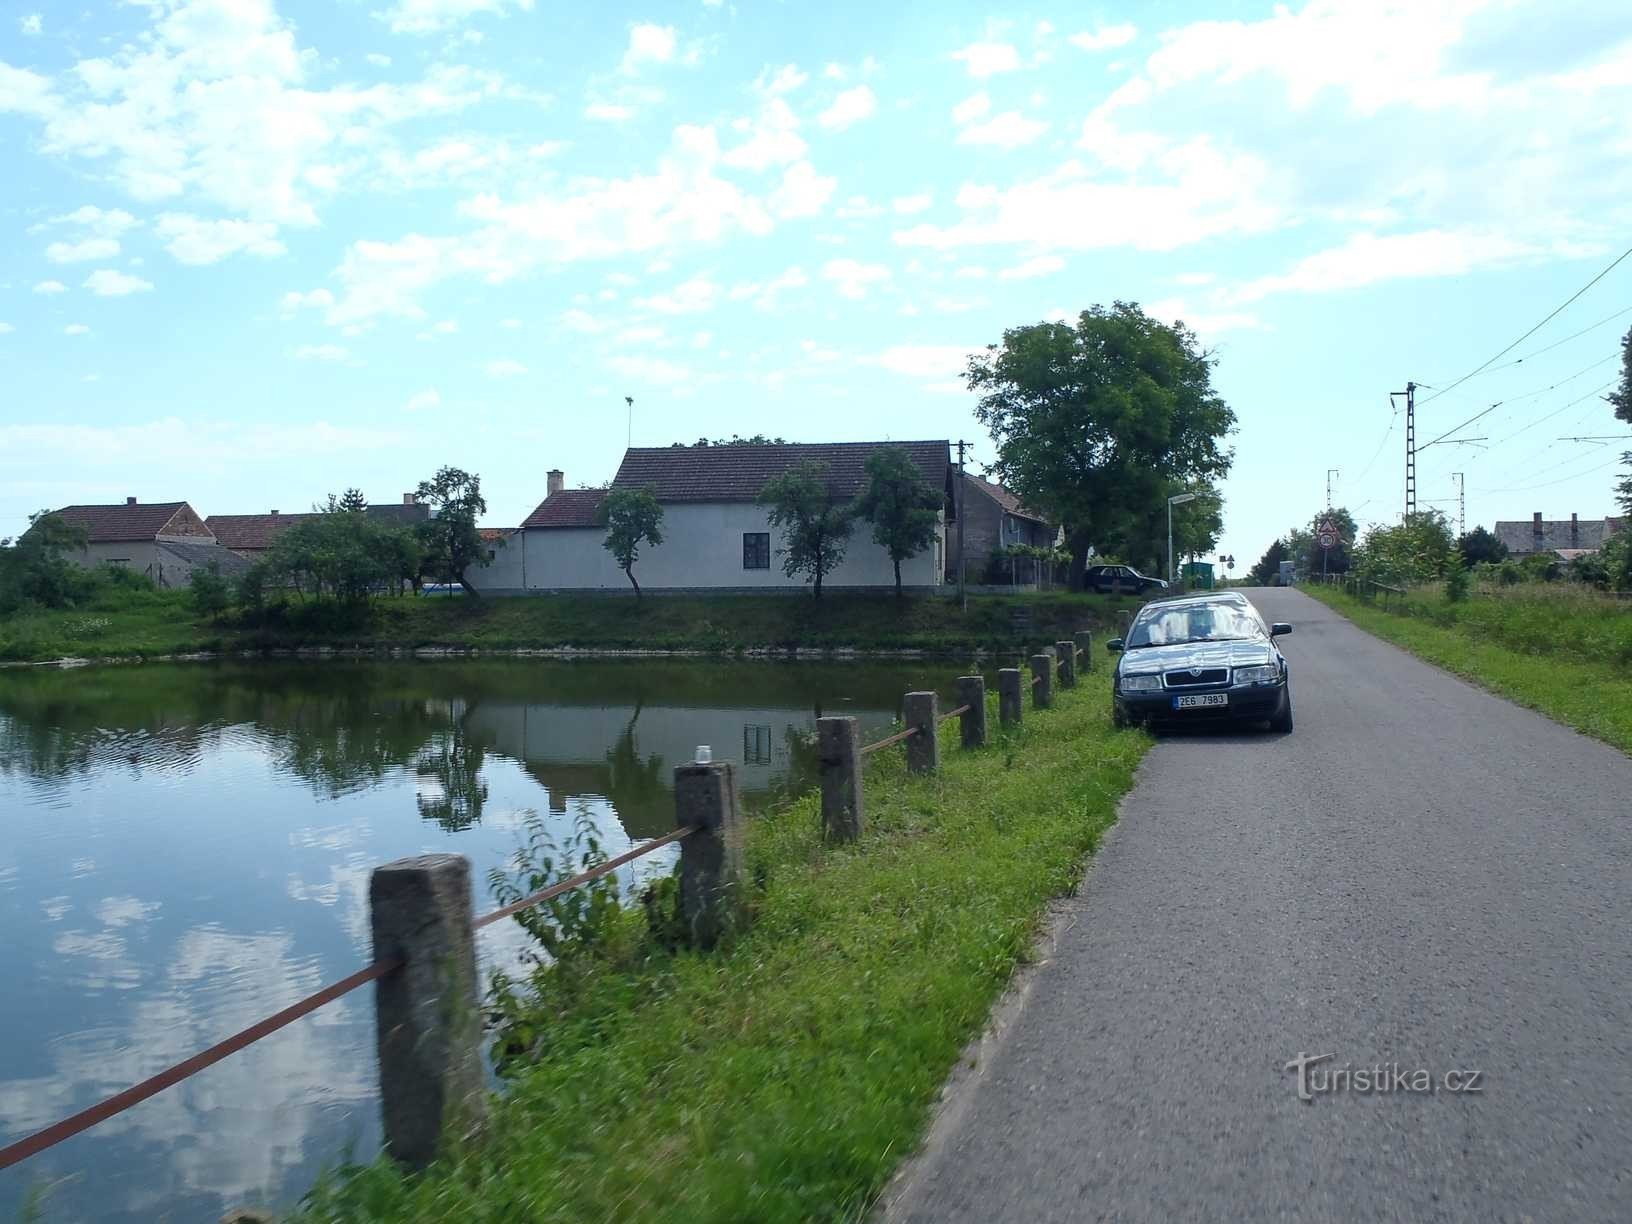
[(1479, 369), (1518, 361), (1561, 480)]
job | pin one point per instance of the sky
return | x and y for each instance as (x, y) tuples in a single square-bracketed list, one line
[(254, 252)]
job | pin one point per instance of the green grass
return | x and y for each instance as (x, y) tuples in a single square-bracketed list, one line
[(1566, 653), (150, 623), (786, 1077)]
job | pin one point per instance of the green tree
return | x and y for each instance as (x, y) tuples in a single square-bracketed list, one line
[(35, 568), (1481, 545), (1303, 543), (903, 507), (1269, 565), (815, 525), (346, 554), (209, 592), (632, 517), (1196, 524), (1095, 422), (449, 539), (1420, 549), (1621, 400), (352, 501)]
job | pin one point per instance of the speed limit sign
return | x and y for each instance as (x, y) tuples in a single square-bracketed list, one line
[(1328, 539)]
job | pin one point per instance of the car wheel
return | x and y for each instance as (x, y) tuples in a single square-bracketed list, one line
[(1118, 719), (1282, 722)]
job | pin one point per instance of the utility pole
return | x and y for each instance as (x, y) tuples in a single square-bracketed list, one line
[(963, 589), (1461, 505), (1330, 472), (1410, 394), (629, 438)]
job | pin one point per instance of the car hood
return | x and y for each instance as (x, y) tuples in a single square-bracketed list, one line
[(1197, 654)]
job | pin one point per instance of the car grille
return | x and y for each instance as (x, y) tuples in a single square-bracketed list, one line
[(1188, 678)]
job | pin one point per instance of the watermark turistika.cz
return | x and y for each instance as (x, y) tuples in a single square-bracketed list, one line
[(1318, 1077)]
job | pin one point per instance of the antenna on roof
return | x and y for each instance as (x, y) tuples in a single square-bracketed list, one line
[(629, 438)]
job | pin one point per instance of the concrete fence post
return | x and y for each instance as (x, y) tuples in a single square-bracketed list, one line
[(1085, 640), (1009, 706), (711, 872), (1042, 691), (972, 723), (922, 711), (428, 1024), (1066, 652), (838, 743)]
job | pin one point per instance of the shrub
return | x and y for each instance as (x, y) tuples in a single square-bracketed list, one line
[(210, 593), (1456, 582)]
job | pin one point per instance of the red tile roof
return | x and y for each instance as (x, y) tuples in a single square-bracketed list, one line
[(252, 532), (1007, 500), (123, 521), (568, 508), (492, 535)]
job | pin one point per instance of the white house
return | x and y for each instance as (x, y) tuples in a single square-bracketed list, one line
[(715, 534)]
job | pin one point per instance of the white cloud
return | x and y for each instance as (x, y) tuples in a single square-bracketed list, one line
[(1009, 130), (643, 334), (6, 328), (505, 368), (906, 206), (105, 282), (985, 59), (318, 299), (30, 25), (1041, 265), (923, 360), (321, 352), (199, 240), (82, 251), (75, 329), (378, 60), (803, 192), (1204, 323), (649, 44), (851, 106), (773, 139), (649, 369), (1367, 259), (434, 16), (1105, 38), (423, 401), (106, 223), (698, 293), (858, 206), (852, 278), (50, 286), (785, 80), (972, 107), (608, 112), (580, 320), (766, 296)]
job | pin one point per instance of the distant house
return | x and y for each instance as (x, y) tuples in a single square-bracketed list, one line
[(715, 534), (250, 535), (994, 519), (1568, 538), (166, 541)]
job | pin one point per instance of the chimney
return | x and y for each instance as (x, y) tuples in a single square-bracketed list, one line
[(556, 481), (1536, 531), (130, 501), (410, 499), (1575, 531), (274, 514)]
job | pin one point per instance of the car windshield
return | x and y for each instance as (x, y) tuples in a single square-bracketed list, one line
[(1207, 622)]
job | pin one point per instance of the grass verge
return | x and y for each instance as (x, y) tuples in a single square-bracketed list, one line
[(786, 1077), (163, 622), (1569, 662)]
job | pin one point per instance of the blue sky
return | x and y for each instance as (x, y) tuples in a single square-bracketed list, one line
[(255, 252)]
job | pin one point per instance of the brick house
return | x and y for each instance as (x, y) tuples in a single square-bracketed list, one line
[(166, 541), (994, 519)]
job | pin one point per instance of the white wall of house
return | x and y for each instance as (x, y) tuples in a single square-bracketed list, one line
[(702, 549)]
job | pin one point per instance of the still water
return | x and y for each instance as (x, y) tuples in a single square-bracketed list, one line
[(186, 848)]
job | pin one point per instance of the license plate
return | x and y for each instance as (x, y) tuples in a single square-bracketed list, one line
[(1193, 701)]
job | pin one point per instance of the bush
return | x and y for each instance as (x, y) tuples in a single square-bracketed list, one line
[(210, 594), (1457, 582)]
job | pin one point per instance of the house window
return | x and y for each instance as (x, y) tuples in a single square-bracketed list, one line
[(756, 550)]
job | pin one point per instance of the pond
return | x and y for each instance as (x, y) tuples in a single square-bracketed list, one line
[(187, 848)]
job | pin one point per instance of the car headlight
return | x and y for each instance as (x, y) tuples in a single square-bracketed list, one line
[(1257, 675), (1140, 684)]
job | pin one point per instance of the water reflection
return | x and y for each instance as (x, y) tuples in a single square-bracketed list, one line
[(186, 849)]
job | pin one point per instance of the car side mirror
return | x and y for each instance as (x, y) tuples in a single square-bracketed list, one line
[(1278, 628), (1114, 645)]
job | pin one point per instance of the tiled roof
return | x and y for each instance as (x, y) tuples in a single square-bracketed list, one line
[(1520, 535), (252, 531), (1009, 502), (202, 556), (568, 508), (492, 535), (122, 522), (738, 473)]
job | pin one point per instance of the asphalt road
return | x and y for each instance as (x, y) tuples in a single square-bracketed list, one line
[(1421, 874)]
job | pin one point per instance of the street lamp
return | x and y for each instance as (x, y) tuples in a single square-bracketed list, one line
[(1178, 499)]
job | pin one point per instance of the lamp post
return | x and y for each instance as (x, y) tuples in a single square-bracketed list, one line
[(1178, 499)]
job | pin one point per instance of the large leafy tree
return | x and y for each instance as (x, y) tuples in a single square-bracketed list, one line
[(1196, 524), (632, 518), (36, 569), (1481, 544), (815, 524), (346, 554), (1621, 400), (1303, 543), (902, 506), (1419, 549), (449, 538), (1096, 421), (1269, 565)]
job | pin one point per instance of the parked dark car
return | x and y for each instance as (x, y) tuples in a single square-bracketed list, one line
[(1201, 658), (1120, 580)]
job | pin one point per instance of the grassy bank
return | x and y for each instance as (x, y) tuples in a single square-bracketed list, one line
[(786, 1077), (1566, 653), (163, 622)]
